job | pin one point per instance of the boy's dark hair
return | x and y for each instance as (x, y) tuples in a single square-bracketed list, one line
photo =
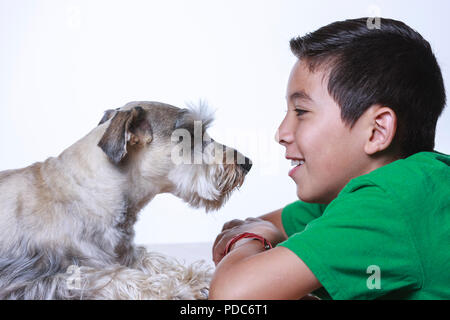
[(393, 66)]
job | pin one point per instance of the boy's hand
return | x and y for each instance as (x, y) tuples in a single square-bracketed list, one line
[(234, 227)]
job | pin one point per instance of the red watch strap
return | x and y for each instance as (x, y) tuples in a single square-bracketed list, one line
[(267, 244)]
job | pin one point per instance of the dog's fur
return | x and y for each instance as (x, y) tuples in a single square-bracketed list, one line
[(66, 224)]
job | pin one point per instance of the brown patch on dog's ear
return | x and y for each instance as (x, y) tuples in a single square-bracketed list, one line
[(129, 127)]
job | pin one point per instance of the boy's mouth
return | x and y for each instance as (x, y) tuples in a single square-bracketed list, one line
[(296, 164)]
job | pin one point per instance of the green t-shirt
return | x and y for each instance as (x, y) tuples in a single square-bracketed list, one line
[(385, 236)]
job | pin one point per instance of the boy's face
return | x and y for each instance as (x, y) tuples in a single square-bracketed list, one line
[(332, 153)]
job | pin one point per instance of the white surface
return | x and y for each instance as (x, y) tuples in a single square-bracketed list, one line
[(63, 62), (186, 253)]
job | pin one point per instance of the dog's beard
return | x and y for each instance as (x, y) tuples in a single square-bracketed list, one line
[(207, 187)]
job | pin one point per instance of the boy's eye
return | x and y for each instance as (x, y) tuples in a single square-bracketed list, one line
[(300, 111)]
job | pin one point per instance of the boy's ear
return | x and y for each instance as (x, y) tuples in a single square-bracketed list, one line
[(383, 126)]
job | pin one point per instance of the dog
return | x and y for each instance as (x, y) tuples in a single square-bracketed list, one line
[(66, 224)]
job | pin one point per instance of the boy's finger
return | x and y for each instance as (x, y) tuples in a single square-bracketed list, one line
[(218, 238), (219, 246), (231, 224), (217, 254), (217, 258)]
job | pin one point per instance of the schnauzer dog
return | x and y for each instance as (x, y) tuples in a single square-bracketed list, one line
[(66, 224)]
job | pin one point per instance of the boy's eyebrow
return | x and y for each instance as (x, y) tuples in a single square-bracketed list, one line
[(300, 95)]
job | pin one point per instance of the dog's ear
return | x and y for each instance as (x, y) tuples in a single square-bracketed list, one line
[(106, 116), (130, 127)]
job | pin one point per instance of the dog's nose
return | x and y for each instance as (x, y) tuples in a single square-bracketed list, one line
[(247, 165)]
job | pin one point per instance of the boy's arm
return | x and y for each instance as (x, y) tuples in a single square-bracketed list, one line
[(275, 218), (269, 226), (249, 272)]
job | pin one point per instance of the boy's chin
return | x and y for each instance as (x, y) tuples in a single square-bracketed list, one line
[(304, 195)]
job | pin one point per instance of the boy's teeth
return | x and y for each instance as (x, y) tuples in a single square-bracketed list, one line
[(297, 162)]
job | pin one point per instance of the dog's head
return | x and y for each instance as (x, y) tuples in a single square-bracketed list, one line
[(167, 149)]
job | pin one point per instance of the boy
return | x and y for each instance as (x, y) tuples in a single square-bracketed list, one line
[(374, 216)]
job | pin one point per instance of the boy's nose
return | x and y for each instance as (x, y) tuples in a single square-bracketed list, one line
[(284, 135)]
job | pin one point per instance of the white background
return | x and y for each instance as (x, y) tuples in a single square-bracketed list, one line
[(62, 63)]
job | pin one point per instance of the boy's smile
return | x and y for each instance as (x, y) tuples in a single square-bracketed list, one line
[(313, 131)]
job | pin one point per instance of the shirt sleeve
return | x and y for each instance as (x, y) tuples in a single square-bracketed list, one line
[(360, 248), (298, 214)]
